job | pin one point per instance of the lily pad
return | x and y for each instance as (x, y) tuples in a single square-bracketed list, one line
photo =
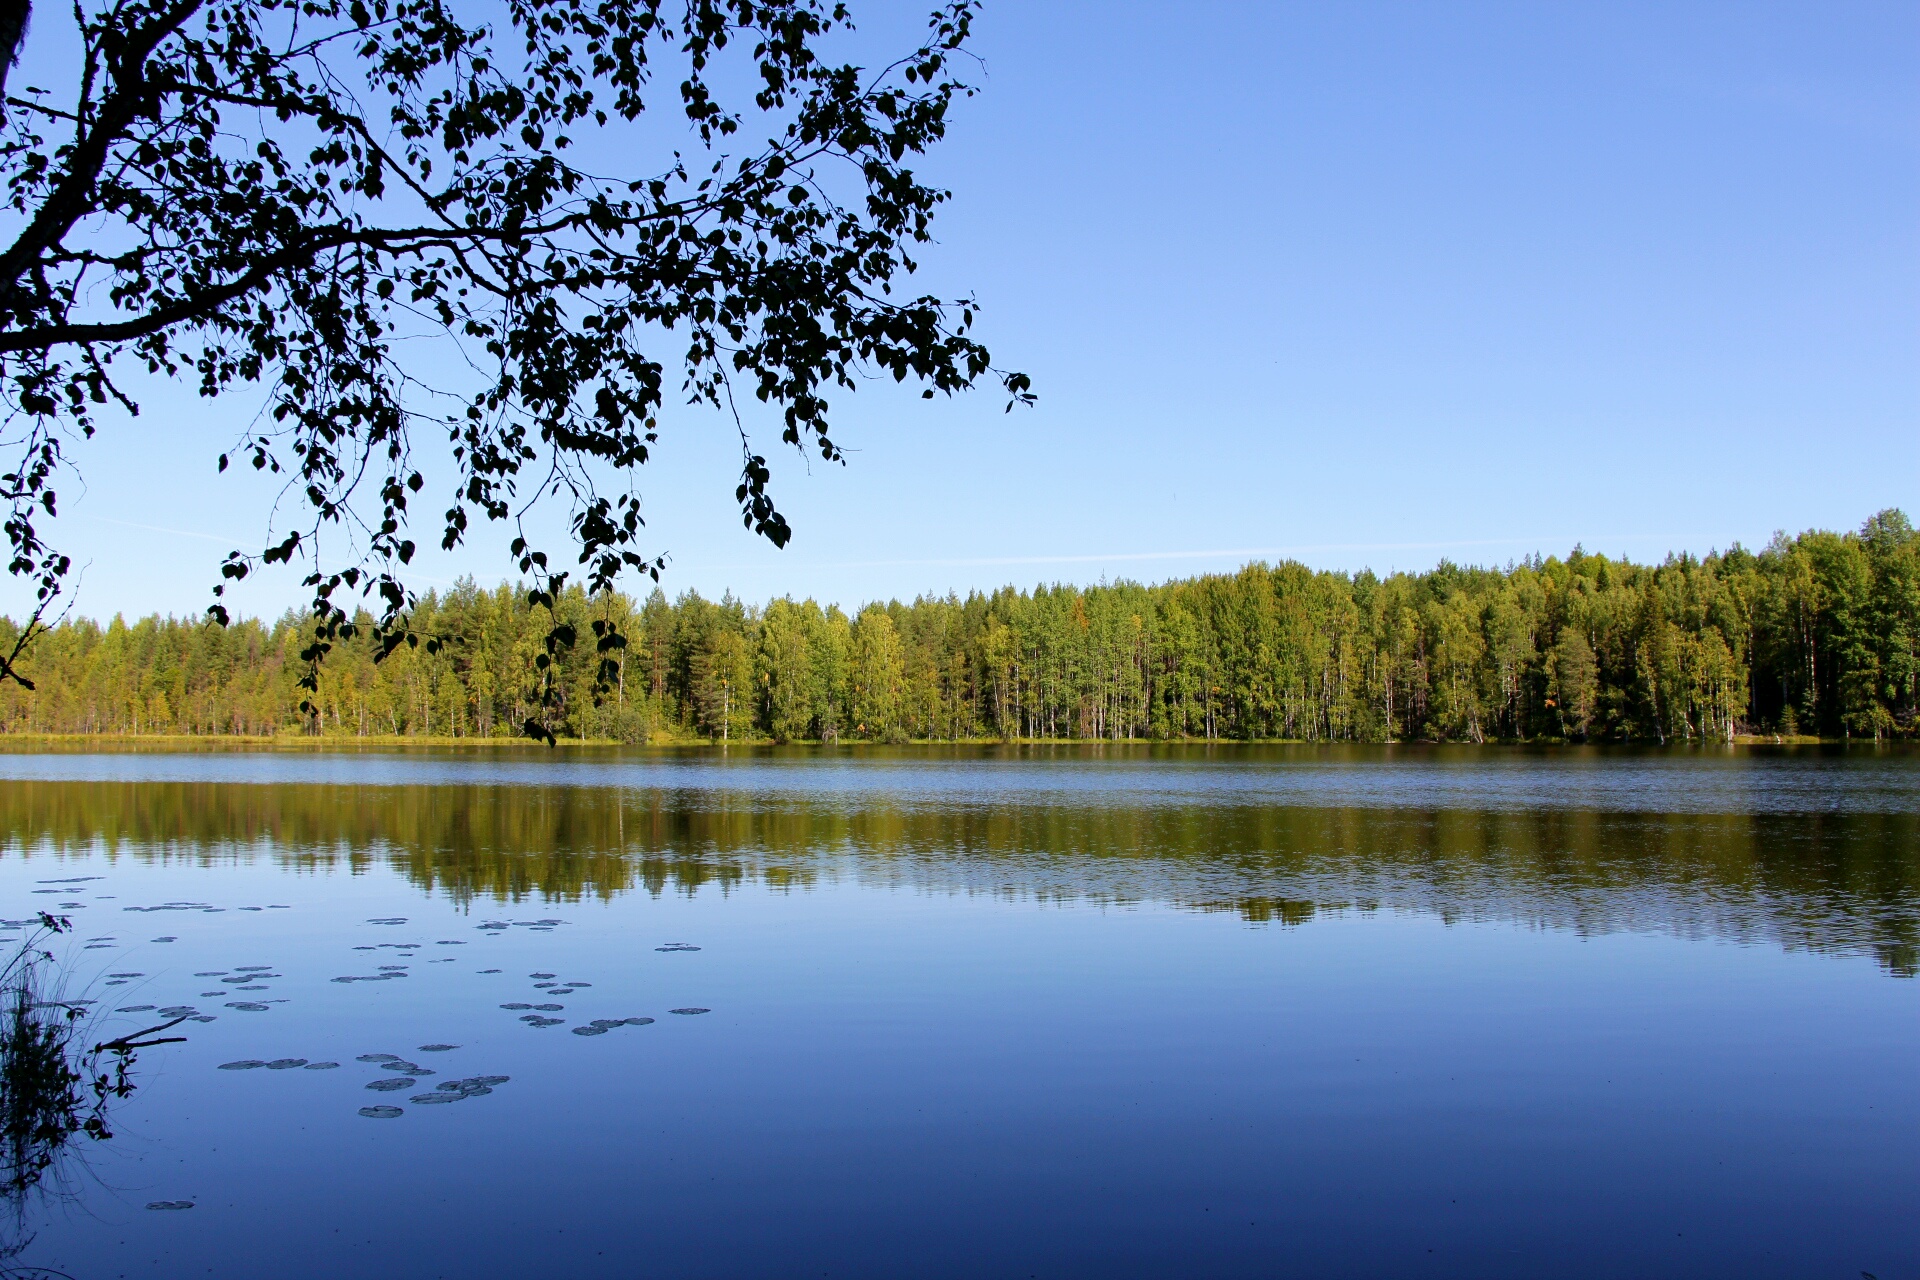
[(381, 1113), (321, 1066), (245, 1064), (638, 1022), (690, 1010), (438, 1048), (428, 1099), (517, 1004), (392, 1083), (549, 1008), (590, 1031), (286, 1064), (246, 1006), (378, 1057), (170, 1204), (134, 1008)]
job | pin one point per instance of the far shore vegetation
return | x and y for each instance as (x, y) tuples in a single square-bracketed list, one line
[(1816, 636)]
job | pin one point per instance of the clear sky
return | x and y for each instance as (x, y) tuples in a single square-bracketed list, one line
[(1360, 284)]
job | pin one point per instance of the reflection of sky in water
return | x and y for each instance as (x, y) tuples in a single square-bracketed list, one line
[(1474, 778), (902, 1075)]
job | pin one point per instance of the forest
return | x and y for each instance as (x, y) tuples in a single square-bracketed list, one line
[(1813, 635)]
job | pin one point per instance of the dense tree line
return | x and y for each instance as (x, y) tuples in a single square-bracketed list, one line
[(1814, 634)]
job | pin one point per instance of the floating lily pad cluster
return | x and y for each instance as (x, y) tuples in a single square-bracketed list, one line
[(386, 972), (278, 1064), (600, 1026), (406, 1075)]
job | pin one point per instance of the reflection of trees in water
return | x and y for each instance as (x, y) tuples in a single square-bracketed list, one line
[(1847, 883), (53, 1088)]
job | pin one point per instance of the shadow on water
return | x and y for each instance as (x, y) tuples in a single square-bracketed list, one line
[(1840, 880), (54, 1088)]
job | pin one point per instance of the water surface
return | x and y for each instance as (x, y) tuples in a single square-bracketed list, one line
[(1256, 1011)]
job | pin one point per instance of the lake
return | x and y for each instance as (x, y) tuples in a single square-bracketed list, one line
[(1390, 1011)]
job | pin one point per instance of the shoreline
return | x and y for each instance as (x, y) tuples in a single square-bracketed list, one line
[(293, 741)]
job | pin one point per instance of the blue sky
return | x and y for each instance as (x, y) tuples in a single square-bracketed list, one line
[(1361, 284)]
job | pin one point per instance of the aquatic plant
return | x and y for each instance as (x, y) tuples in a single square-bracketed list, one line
[(52, 1085)]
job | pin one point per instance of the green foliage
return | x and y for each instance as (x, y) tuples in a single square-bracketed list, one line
[(1817, 634), (576, 205)]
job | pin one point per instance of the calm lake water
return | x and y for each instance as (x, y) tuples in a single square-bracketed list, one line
[(992, 1012)]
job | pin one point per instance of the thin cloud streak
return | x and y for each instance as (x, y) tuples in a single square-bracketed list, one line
[(1231, 553)]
